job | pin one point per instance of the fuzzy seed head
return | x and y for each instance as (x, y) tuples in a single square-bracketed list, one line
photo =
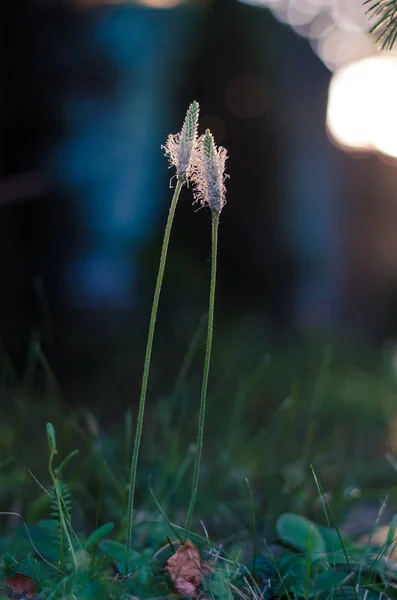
[(181, 147), (209, 173)]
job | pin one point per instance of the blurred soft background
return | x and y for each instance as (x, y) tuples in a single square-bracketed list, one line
[(306, 315)]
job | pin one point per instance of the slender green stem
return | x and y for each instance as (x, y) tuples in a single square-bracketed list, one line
[(200, 431), (146, 369), (254, 527)]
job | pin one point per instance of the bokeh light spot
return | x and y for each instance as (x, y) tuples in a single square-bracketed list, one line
[(160, 3), (149, 3), (327, 24), (341, 47), (361, 105)]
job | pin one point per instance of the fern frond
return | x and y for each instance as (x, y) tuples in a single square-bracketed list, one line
[(8, 562), (61, 509), (385, 12), (61, 501)]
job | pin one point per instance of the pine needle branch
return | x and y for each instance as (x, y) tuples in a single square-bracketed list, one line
[(385, 13)]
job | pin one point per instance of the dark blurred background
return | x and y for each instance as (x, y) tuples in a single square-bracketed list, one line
[(90, 91)]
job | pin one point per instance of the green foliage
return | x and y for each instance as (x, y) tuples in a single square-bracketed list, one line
[(300, 533), (98, 534), (118, 552), (9, 564), (343, 570)]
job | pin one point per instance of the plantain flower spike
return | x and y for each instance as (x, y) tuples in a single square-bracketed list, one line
[(182, 147), (209, 174)]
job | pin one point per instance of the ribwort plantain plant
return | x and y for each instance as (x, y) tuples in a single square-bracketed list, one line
[(208, 177), (181, 149)]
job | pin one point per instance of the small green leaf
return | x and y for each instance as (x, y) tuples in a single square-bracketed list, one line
[(296, 531), (95, 590), (51, 438), (118, 551), (65, 461), (328, 580), (337, 546), (51, 524), (98, 534)]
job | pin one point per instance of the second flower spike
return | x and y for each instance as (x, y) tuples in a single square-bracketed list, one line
[(209, 173)]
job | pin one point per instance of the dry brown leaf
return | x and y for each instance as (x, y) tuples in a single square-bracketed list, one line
[(21, 584), (184, 569)]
